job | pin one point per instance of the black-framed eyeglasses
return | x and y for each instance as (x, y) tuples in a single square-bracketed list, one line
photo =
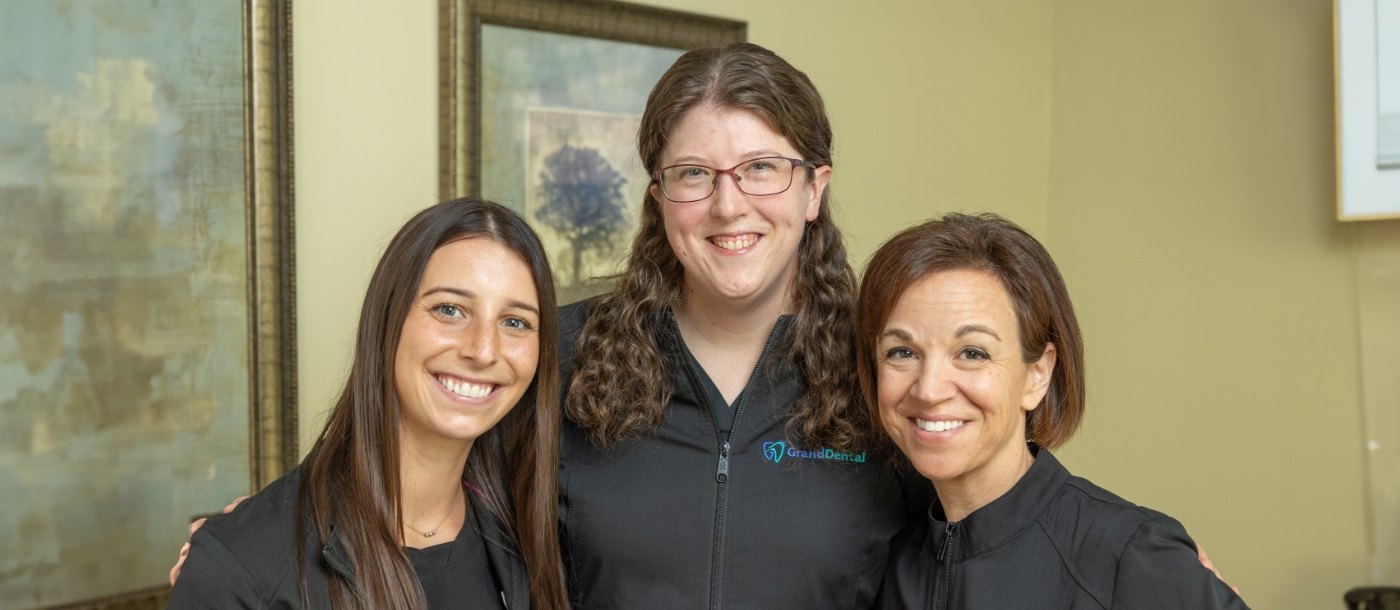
[(689, 182)]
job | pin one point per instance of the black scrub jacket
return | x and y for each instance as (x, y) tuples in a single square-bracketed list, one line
[(247, 559), (1055, 541), (695, 516)]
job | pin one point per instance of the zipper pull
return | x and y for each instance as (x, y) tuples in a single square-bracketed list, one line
[(723, 474), (948, 541)]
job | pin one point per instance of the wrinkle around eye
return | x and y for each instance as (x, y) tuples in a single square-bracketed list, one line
[(897, 354), (973, 353)]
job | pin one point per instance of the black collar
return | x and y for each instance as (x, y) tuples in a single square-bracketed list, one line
[(1004, 518), (668, 338)]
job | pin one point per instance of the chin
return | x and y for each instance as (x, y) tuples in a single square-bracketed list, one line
[(937, 469)]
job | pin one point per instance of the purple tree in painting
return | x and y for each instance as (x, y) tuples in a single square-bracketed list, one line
[(583, 202)]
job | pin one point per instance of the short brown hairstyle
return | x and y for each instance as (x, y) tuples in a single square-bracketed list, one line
[(990, 243)]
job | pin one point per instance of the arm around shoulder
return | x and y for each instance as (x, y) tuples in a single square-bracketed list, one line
[(213, 577), (1159, 568)]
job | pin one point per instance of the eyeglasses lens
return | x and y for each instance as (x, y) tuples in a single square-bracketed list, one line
[(758, 177)]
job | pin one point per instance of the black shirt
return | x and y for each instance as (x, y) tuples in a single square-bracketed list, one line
[(456, 574)]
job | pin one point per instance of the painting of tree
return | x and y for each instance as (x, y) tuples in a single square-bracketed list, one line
[(583, 201)]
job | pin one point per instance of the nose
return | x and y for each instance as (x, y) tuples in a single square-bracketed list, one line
[(728, 202), (480, 342), (934, 384)]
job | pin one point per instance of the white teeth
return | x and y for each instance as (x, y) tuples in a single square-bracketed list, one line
[(736, 243), (466, 389), (937, 426)]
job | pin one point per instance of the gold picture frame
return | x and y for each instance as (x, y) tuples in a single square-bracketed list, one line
[(527, 120), (459, 28), (271, 240)]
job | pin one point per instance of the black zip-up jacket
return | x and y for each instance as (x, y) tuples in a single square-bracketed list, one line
[(1054, 541), (691, 518), (247, 558)]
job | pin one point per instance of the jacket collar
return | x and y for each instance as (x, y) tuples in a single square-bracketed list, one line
[(994, 524), (333, 552), (507, 566), (667, 335)]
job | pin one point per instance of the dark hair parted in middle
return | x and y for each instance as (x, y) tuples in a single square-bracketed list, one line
[(621, 388), (351, 475), (1044, 314)]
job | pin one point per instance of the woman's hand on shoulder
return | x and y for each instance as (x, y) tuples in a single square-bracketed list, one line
[(1205, 561), (194, 527)]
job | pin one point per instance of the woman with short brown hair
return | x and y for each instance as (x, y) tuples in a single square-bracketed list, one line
[(970, 359)]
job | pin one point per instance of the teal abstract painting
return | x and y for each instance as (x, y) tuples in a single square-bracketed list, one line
[(124, 318)]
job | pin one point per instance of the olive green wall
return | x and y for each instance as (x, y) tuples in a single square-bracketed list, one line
[(365, 108), (1191, 207), (1176, 159)]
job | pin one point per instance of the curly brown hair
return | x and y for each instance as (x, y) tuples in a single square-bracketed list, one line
[(622, 381)]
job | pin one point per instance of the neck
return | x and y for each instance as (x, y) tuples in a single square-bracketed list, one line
[(727, 324), (964, 495), (430, 478)]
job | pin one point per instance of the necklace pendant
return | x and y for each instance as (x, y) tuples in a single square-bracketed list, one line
[(430, 534)]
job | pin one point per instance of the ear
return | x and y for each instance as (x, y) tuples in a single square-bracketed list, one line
[(1038, 379), (656, 194), (820, 177)]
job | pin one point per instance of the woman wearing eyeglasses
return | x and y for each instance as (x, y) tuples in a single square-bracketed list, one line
[(715, 454), (716, 451)]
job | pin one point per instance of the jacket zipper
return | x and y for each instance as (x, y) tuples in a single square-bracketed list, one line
[(951, 529), (722, 468)]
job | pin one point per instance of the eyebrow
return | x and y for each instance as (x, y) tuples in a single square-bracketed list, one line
[(965, 329), (897, 333), (467, 294), (748, 156), (976, 328)]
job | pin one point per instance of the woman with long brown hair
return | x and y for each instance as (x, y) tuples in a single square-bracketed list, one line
[(433, 482)]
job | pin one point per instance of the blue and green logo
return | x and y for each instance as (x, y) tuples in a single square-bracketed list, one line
[(774, 451)]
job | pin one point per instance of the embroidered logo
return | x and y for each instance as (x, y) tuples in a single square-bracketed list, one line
[(773, 451)]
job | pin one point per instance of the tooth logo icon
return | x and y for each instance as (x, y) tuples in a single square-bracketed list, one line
[(773, 450)]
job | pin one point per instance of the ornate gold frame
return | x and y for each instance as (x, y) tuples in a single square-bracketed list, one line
[(459, 27), (267, 28)]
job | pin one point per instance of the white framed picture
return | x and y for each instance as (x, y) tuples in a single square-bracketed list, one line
[(1368, 108)]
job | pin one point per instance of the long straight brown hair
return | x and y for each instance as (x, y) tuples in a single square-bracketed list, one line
[(350, 478)]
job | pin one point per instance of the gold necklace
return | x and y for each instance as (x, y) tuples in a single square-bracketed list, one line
[(433, 532)]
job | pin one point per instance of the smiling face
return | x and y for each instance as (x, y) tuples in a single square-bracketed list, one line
[(736, 247), (952, 388), (470, 344)]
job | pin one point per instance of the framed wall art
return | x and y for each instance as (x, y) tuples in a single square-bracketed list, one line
[(1368, 109), (147, 365), (540, 102)]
